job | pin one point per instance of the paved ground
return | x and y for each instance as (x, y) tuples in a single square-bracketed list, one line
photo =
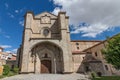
[(47, 77)]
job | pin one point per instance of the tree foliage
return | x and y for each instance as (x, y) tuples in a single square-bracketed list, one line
[(6, 70), (112, 51)]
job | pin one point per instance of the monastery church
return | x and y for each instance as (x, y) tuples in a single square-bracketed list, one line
[(46, 48)]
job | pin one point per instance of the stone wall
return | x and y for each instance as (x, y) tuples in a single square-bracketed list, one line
[(96, 53), (82, 44), (59, 35)]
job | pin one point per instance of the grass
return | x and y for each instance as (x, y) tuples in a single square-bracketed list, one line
[(107, 78), (10, 74), (2, 76)]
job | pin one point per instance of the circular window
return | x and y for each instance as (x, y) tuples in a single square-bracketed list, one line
[(45, 32)]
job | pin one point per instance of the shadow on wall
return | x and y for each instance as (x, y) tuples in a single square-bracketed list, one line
[(55, 31)]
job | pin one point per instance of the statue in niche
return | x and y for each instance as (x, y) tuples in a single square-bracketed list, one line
[(45, 55)]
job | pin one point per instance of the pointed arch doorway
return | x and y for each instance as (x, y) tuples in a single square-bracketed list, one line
[(46, 66), (48, 58)]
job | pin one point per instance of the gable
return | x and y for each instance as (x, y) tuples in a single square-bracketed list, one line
[(46, 14)]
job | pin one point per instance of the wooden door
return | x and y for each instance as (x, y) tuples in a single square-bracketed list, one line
[(45, 66)]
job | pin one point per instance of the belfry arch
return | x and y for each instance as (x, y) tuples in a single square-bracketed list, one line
[(47, 58)]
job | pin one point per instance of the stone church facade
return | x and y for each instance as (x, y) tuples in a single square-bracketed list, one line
[(46, 48)]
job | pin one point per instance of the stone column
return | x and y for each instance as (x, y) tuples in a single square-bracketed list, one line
[(37, 64)]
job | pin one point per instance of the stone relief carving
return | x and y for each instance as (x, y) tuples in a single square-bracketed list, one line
[(45, 20)]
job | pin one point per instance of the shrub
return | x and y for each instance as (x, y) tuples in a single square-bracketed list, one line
[(93, 74), (6, 69), (11, 73), (15, 69)]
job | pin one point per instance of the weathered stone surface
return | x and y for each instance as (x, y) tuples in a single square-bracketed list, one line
[(54, 44), (63, 55), (48, 77)]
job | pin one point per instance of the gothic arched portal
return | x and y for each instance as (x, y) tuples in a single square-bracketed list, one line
[(47, 58)]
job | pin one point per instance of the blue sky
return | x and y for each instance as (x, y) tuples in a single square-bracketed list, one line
[(89, 21)]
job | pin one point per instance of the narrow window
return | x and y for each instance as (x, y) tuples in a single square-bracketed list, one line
[(78, 48), (87, 68), (83, 57), (96, 54), (77, 43), (106, 67)]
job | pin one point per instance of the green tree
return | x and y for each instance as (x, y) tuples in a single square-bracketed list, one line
[(112, 51)]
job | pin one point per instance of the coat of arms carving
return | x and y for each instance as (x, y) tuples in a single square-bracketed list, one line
[(45, 20)]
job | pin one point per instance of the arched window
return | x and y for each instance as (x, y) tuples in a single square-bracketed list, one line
[(96, 54)]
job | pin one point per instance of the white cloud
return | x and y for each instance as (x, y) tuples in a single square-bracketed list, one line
[(12, 51), (6, 46), (97, 13), (56, 10), (4, 34), (22, 9), (21, 23), (11, 15), (6, 5), (19, 10), (16, 11), (7, 36), (8, 51), (91, 30)]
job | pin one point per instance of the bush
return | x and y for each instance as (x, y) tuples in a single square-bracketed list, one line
[(15, 69), (93, 74), (11, 73), (6, 69)]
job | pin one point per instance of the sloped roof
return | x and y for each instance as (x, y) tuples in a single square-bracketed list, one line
[(89, 58), (102, 42), (12, 58), (1, 48)]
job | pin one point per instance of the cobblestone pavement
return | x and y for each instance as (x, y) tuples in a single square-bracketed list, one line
[(47, 77)]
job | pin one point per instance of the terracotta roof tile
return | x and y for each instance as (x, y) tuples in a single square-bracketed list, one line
[(13, 58)]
